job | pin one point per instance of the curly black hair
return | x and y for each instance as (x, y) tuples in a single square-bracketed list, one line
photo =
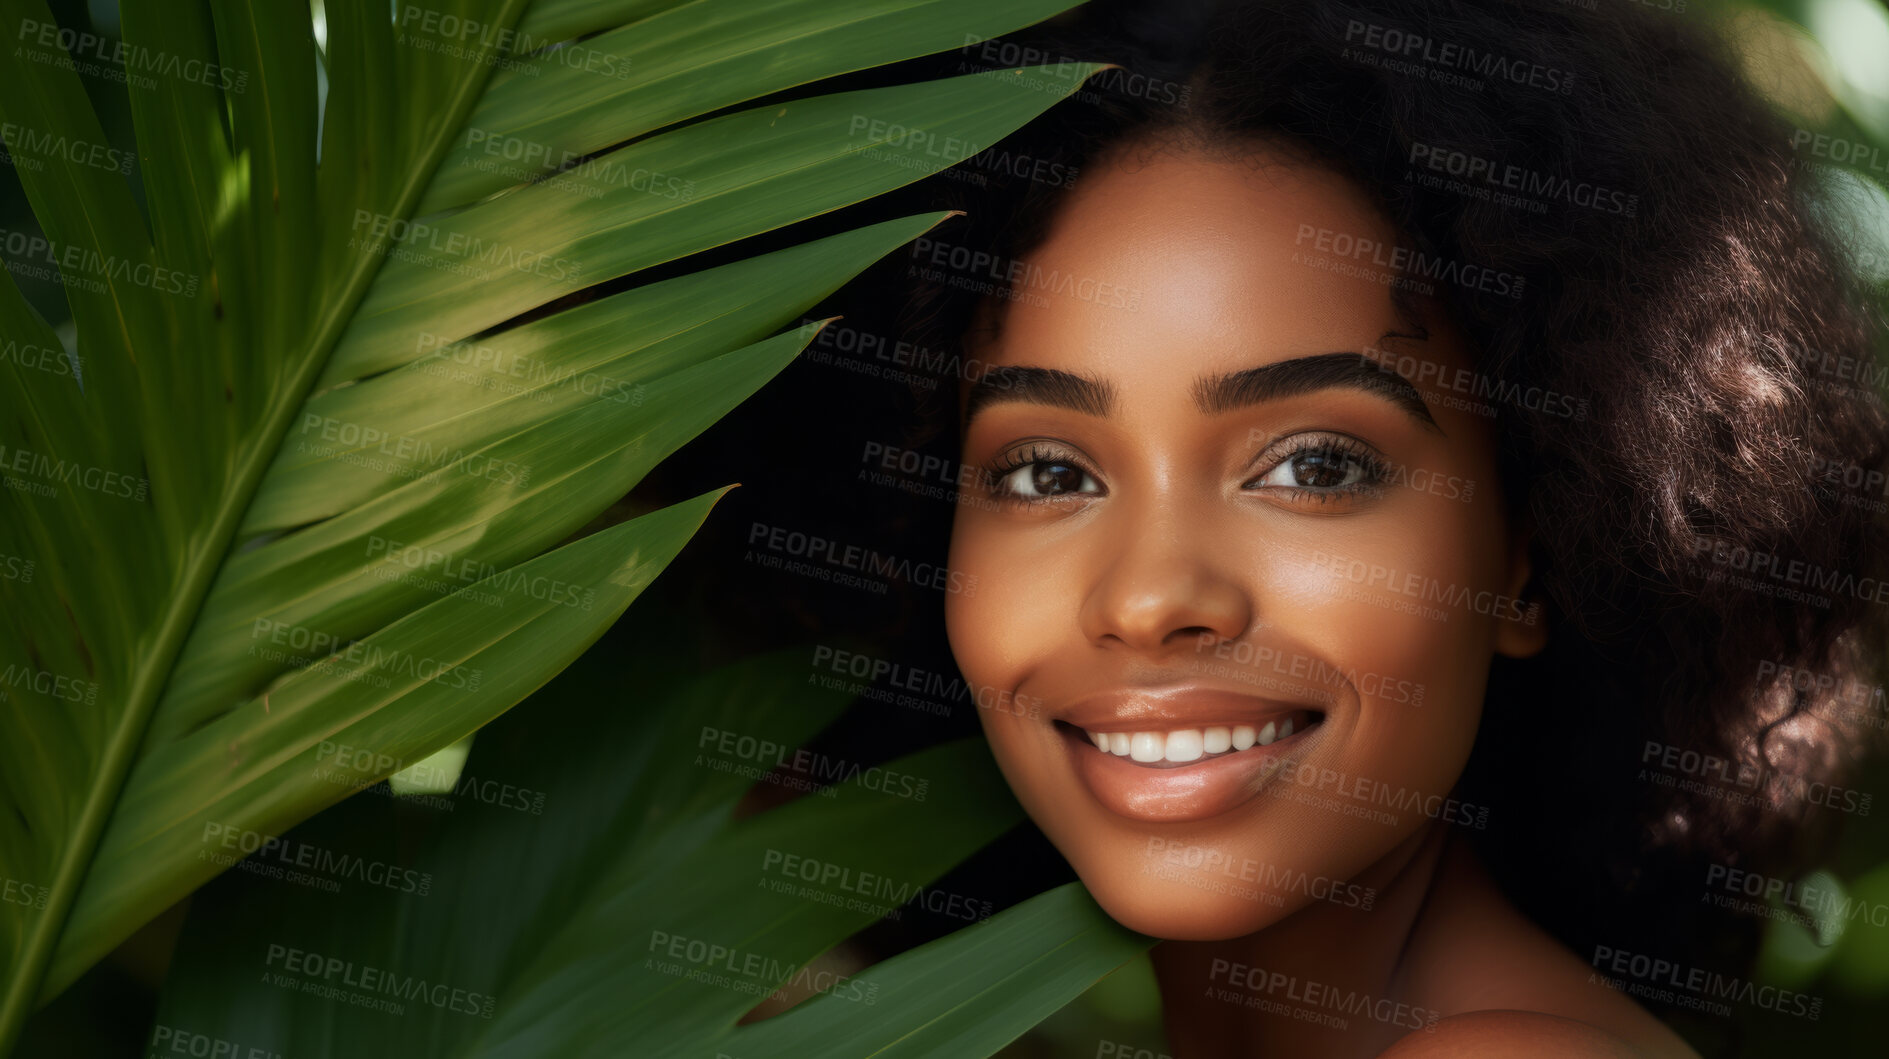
[(1706, 503)]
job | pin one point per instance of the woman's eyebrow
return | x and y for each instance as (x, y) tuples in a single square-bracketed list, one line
[(1301, 375), (1221, 393), (1063, 389)]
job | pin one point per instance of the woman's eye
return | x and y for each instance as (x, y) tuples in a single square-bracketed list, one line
[(1046, 478), (1316, 469)]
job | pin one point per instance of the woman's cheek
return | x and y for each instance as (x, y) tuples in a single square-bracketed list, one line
[(1024, 603), (984, 628), (1390, 613)]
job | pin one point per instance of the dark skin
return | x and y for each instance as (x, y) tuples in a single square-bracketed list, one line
[(1201, 518)]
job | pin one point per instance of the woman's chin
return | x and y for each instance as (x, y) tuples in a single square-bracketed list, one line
[(1175, 911)]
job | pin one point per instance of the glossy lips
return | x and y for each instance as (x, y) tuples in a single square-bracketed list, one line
[(1179, 754)]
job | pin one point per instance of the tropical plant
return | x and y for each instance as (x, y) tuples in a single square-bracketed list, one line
[(628, 911), (326, 400)]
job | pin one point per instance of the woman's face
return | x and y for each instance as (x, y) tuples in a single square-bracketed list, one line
[(1253, 578)]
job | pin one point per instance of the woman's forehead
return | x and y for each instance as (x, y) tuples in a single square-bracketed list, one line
[(1180, 262)]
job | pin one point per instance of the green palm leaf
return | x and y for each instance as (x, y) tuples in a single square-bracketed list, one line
[(288, 382), (636, 916), (969, 993)]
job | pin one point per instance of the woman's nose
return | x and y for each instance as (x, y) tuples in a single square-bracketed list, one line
[(1160, 583)]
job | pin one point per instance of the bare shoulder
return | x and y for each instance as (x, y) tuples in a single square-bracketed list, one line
[(1496, 1034), (1503, 986)]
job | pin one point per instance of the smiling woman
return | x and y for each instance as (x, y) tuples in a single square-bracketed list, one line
[(1413, 530), (1205, 477), (1205, 472)]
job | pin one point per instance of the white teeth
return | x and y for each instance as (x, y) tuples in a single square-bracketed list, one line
[(1184, 745), (1146, 746), (1188, 744)]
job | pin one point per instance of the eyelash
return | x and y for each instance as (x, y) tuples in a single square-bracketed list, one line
[(1016, 459), (1348, 451)]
